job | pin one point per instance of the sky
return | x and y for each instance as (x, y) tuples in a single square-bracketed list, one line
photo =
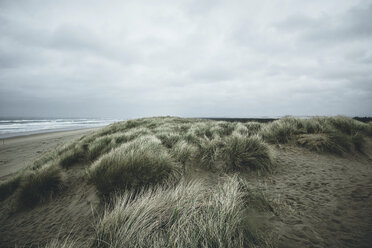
[(129, 59)]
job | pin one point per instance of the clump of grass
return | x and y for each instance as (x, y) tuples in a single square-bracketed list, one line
[(183, 151), (38, 186), (207, 153), (228, 128), (358, 141), (168, 139), (99, 147), (131, 134), (316, 142), (253, 127), (73, 156), (217, 131), (188, 215), (347, 125), (241, 129), (136, 164), (369, 128), (246, 152), (44, 159), (67, 242), (8, 187), (190, 138), (316, 125), (281, 131), (322, 134), (201, 130)]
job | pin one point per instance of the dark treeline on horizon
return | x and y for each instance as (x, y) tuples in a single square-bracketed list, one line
[(266, 120)]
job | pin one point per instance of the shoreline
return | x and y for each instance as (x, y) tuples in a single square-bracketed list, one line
[(19, 151), (46, 133), (40, 132)]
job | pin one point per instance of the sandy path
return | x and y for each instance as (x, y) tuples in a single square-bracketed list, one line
[(17, 152), (330, 199)]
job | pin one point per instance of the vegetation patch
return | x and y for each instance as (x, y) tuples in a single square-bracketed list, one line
[(136, 164), (241, 152), (188, 215), (322, 134), (38, 186), (183, 152), (208, 152), (74, 155), (99, 147), (8, 187)]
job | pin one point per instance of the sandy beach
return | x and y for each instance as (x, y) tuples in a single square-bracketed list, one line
[(18, 152)]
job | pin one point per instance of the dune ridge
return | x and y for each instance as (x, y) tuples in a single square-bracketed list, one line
[(292, 183)]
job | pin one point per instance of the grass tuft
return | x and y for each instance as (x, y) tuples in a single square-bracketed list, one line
[(168, 139), (67, 242), (246, 152), (207, 153), (188, 215), (322, 134), (183, 152), (139, 163), (8, 187), (253, 127), (75, 155), (38, 186), (98, 147)]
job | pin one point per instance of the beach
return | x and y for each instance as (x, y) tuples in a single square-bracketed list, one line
[(18, 152)]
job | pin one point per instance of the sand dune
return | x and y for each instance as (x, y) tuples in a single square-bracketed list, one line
[(330, 198), (324, 200)]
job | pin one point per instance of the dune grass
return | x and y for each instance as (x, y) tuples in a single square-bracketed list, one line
[(136, 164), (32, 178), (322, 134), (188, 215), (168, 139), (143, 152), (73, 156), (241, 152), (207, 153), (183, 152), (67, 242), (38, 186), (8, 187)]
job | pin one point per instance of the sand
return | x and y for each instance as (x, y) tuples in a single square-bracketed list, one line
[(326, 199), (329, 198), (18, 152)]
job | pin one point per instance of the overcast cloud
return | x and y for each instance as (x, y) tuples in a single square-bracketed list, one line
[(127, 59)]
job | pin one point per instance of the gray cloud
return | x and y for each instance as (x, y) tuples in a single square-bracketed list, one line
[(190, 58), (353, 25)]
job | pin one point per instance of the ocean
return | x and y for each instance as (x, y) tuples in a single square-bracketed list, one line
[(18, 127)]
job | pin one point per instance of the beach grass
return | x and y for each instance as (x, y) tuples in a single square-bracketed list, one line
[(188, 215), (150, 171)]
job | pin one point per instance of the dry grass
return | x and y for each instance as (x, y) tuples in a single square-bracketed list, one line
[(38, 186), (202, 143), (322, 134), (188, 215), (241, 152), (136, 164)]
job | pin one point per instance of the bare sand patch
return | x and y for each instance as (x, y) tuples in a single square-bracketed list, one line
[(18, 152)]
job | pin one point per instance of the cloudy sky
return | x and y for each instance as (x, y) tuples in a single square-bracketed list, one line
[(127, 59)]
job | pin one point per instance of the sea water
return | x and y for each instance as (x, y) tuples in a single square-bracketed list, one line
[(18, 127)]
